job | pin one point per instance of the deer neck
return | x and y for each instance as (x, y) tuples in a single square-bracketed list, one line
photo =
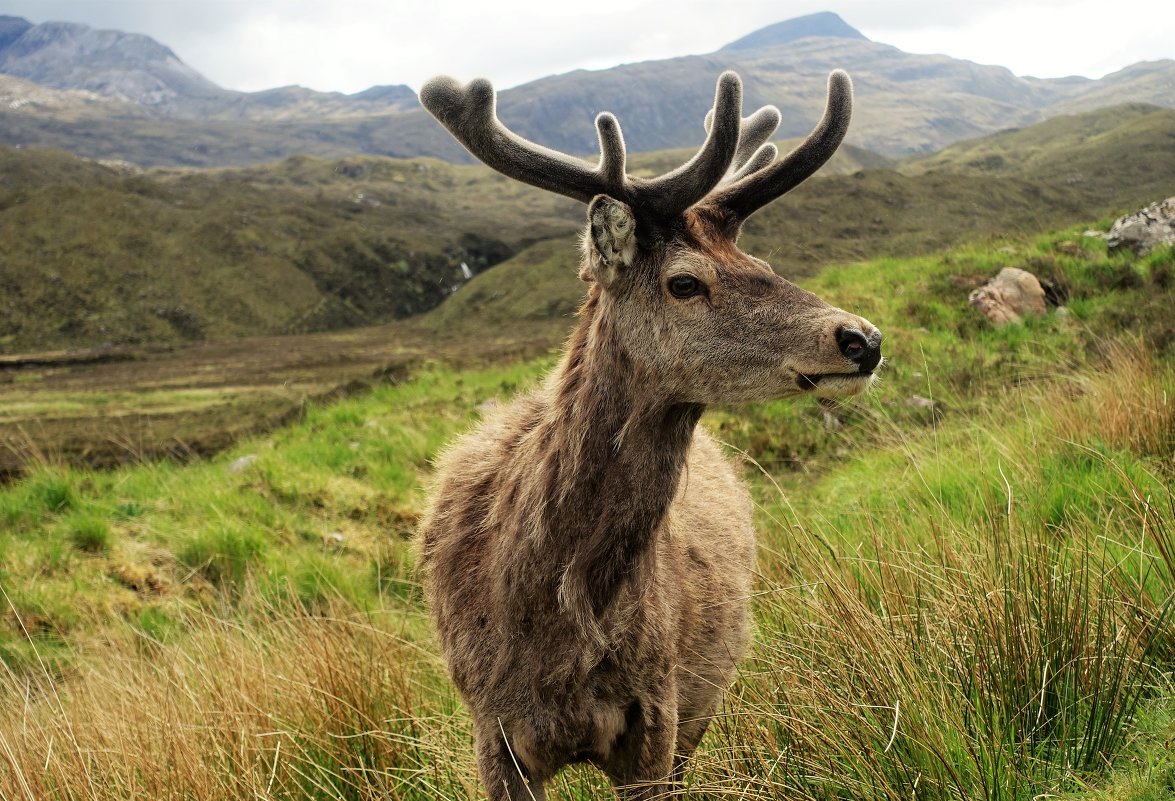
[(611, 455)]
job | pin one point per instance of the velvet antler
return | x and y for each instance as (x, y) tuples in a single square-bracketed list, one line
[(735, 157), (753, 153), (761, 181), (468, 112)]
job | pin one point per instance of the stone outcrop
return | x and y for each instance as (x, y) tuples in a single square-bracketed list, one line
[(1145, 229), (1010, 297)]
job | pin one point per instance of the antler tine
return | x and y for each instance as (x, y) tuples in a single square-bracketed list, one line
[(674, 192), (746, 195), (754, 131), (468, 112), (612, 156), (760, 159)]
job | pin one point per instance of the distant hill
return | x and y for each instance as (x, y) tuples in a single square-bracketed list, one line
[(824, 24), (1099, 151), (159, 111), (149, 77), (94, 254)]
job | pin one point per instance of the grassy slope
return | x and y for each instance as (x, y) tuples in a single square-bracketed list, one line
[(1070, 148), (96, 256), (307, 245), (134, 584)]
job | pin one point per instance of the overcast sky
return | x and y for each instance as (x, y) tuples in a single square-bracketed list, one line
[(348, 45)]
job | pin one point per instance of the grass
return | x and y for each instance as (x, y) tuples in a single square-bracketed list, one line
[(948, 649), (947, 630), (972, 601)]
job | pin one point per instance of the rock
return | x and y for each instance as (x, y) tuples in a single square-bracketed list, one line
[(121, 167), (1009, 297), (244, 463), (1144, 229)]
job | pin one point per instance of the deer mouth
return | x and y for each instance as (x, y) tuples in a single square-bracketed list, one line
[(835, 383)]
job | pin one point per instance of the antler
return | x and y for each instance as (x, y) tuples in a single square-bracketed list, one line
[(753, 152), (760, 181), (468, 112), (733, 145)]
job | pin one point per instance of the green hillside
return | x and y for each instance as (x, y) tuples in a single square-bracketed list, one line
[(973, 600), (1102, 150), (95, 255)]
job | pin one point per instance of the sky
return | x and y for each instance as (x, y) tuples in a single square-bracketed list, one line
[(349, 45)]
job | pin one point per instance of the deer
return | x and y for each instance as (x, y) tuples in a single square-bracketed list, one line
[(587, 551)]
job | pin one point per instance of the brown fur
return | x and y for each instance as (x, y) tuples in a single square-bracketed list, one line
[(588, 553), (589, 549)]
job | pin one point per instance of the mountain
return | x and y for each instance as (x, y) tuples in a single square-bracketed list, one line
[(149, 77), (17, 93), (905, 103), (161, 112), (126, 66), (824, 24)]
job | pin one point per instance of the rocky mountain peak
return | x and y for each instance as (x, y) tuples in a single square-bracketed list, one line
[(66, 55), (824, 23), (136, 69), (11, 29)]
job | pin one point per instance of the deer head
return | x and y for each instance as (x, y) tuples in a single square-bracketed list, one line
[(690, 312)]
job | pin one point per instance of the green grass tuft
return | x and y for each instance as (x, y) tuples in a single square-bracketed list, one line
[(88, 533), (224, 554)]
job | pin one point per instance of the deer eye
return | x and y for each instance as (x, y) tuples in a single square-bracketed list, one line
[(684, 286)]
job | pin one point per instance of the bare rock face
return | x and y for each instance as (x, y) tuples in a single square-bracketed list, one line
[(1009, 297), (1144, 229)]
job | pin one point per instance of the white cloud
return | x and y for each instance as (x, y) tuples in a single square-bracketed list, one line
[(348, 45)]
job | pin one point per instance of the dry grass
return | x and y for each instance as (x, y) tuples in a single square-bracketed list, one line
[(288, 705), (1130, 406), (960, 633)]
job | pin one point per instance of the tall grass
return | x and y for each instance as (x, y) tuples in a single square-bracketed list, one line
[(950, 631), (983, 649), (283, 705)]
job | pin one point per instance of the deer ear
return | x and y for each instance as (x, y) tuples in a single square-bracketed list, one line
[(610, 240)]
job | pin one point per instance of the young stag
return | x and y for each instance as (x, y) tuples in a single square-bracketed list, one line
[(588, 550)]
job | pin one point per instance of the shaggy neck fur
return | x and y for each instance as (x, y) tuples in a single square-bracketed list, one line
[(609, 457)]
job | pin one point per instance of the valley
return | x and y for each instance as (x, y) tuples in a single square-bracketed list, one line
[(251, 292)]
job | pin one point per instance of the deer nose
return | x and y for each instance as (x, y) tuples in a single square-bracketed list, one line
[(864, 351)]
